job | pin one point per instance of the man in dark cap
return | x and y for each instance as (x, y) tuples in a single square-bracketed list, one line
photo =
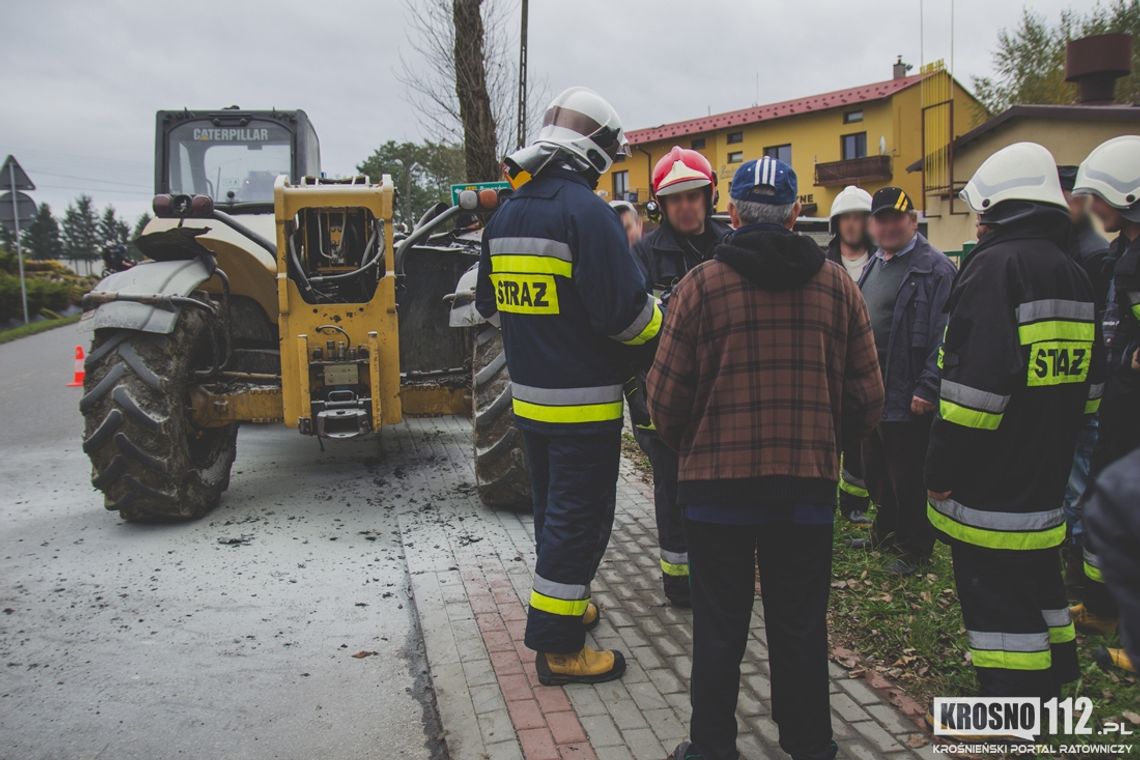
[(906, 285), (766, 358)]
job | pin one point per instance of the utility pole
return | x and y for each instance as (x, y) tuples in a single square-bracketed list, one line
[(521, 128)]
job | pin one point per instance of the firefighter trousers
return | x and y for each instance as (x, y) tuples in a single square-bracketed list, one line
[(853, 496), (574, 480), (1095, 594), (670, 519), (894, 457), (1018, 630), (1119, 435)]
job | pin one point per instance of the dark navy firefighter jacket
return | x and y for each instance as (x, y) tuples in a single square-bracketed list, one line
[(572, 304)]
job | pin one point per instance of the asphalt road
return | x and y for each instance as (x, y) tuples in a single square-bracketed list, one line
[(229, 637)]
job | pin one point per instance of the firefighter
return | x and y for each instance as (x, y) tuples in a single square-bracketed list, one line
[(557, 274), (1109, 176), (684, 184), (851, 246), (1114, 522), (1089, 249), (1018, 361), (630, 220)]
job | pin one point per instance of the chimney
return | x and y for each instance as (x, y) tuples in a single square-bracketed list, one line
[(900, 69), (1095, 63)]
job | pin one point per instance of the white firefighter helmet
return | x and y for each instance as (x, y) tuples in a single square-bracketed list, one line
[(1112, 172), (1024, 171), (581, 125), (851, 199)]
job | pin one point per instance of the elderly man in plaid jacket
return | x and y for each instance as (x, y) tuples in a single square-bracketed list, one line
[(766, 358)]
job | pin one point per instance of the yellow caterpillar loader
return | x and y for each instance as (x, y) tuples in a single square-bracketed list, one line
[(270, 294)]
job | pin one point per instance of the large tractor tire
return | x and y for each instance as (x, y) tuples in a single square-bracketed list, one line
[(501, 474), (147, 457)]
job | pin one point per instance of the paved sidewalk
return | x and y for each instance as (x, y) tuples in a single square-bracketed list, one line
[(471, 575)]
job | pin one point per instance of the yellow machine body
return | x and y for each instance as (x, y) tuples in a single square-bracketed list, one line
[(329, 344)]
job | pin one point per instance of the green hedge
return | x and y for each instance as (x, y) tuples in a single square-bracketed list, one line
[(42, 294)]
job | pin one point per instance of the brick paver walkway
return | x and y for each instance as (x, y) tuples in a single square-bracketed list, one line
[(470, 571)]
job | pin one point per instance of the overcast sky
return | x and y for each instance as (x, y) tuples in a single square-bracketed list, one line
[(81, 79)]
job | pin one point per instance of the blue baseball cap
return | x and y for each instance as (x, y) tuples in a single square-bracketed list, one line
[(765, 180)]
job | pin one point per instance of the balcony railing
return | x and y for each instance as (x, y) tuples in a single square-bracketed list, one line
[(853, 171)]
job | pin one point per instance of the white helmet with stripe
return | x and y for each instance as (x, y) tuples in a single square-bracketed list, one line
[(1024, 171), (1112, 172), (584, 124)]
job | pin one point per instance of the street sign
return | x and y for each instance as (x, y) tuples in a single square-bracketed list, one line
[(15, 178), (476, 186), (24, 207), (15, 207)]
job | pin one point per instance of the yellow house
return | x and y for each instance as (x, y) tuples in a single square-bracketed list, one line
[(863, 135), (1070, 132)]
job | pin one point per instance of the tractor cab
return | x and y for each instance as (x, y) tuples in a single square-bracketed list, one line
[(233, 156)]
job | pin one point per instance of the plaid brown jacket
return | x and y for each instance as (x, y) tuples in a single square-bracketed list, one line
[(766, 354)]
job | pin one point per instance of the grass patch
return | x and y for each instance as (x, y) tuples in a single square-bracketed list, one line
[(23, 331), (910, 629), (632, 451)]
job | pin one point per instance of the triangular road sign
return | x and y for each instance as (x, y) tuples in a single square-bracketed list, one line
[(23, 181)]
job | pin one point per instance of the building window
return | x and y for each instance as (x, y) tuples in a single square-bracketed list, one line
[(735, 137), (854, 146), (697, 144), (736, 156), (851, 117), (621, 185), (780, 153)]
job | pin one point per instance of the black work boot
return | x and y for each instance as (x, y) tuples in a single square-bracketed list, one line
[(677, 590)]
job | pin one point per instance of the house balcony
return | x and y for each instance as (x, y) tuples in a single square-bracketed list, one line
[(853, 171)]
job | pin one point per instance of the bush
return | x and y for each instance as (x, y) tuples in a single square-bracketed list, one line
[(42, 294)]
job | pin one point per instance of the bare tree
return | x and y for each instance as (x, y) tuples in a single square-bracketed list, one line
[(480, 138), (442, 77)]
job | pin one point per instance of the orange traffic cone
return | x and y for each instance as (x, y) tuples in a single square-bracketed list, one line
[(80, 373)]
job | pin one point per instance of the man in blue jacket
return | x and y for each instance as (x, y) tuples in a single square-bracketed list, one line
[(906, 285), (557, 273)]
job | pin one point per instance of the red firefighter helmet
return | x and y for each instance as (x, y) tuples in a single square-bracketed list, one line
[(681, 169)]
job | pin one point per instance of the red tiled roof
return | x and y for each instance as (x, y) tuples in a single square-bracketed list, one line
[(836, 99)]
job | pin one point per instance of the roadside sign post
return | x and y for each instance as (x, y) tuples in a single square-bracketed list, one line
[(19, 180)]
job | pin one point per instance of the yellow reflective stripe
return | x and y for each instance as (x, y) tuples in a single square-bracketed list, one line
[(1062, 634), (996, 539), (525, 293), (853, 489), (649, 332), (568, 607), (526, 264), (990, 658), (1056, 329), (967, 417), (1092, 406), (650, 426), (574, 413), (675, 570), (1093, 573), (1136, 310)]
